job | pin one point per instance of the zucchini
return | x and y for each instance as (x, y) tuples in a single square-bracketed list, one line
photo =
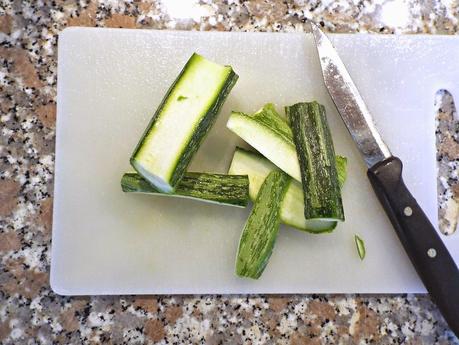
[(341, 168), (270, 135), (360, 245), (258, 168), (314, 147), (183, 118), (260, 230), (230, 190)]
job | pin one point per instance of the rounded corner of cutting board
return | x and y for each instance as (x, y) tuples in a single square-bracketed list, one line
[(57, 286)]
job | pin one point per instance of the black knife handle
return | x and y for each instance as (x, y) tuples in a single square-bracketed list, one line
[(428, 254)]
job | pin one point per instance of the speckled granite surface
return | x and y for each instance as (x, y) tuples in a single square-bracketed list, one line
[(31, 313)]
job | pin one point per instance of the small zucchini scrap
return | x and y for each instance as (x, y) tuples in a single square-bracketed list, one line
[(360, 244)]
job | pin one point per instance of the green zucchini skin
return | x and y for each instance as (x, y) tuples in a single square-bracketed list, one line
[(270, 118), (316, 154), (166, 176), (269, 134), (203, 128), (260, 231), (257, 167), (230, 190), (341, 168)]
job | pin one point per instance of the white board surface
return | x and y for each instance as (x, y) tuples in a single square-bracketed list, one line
[(110, 82)]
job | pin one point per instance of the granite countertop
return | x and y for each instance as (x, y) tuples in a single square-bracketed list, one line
[(31, 313)]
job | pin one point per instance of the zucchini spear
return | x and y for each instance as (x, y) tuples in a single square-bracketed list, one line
[(260, 230), (181, 122), (230, 190), (314, 147)]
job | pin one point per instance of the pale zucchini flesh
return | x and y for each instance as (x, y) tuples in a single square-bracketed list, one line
[(269, 134), (232, 190), (316, 154), (260, 231), (181, 122), (257, 167)]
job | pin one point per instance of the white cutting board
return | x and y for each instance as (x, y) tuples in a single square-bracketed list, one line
[(110, 82)]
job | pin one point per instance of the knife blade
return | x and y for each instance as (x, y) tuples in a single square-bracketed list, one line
[(424, 247)]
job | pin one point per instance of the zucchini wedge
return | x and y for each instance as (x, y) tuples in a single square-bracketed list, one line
[(258, 168), (360, 245), (232, 190), (260, 230), (181, 122), (270, 135), (316, 154)]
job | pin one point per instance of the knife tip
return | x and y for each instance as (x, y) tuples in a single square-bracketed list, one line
[(315, 29)]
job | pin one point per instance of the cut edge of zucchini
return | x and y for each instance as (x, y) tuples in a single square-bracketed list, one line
[(257, 167), (261, 130)]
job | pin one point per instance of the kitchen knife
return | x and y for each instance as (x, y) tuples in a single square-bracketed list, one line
[(426, 250)]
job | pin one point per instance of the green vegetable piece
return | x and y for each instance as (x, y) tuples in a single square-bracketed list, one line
[(232, 190), (314, 147), (360, 246), (269, 134), (178, 128), (258, 167), (341, 168), (260, 230)]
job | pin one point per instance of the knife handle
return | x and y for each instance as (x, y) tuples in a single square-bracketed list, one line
[(426, 250)]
